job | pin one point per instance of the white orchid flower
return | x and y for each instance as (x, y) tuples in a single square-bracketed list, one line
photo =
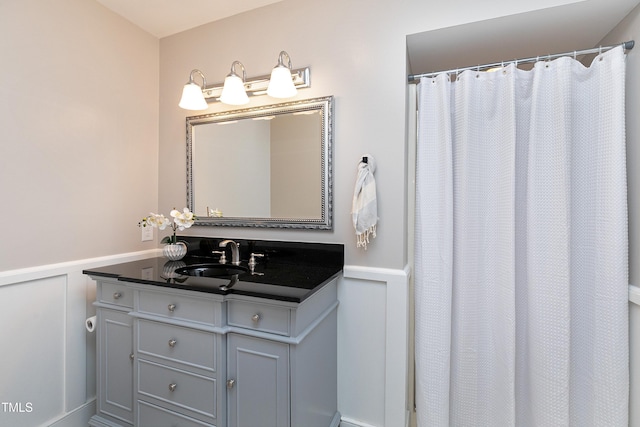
[(182, 219), (158, 220)]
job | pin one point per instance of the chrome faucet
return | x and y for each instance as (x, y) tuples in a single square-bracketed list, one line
[(235, 254)]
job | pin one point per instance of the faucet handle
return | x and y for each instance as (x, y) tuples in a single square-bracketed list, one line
[(223, 258), (252, 260)]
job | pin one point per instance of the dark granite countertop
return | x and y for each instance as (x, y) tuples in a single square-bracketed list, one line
[(289, 271)]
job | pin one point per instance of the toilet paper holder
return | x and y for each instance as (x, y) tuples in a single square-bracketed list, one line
[(90, 323)]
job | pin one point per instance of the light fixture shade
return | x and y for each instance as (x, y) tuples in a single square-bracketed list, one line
[(233, 92), (192, 98), (281, 84)]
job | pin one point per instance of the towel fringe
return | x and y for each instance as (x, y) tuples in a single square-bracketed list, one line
[(363, 238)]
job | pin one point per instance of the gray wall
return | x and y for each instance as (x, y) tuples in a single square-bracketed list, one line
[(78, 131)]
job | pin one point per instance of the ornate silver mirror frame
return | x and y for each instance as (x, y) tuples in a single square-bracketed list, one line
[(200, 134)]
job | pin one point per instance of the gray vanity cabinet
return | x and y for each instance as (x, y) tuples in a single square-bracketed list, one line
[(258, 382), (115, 354), (180, 367), (176, 357), (282, 361)]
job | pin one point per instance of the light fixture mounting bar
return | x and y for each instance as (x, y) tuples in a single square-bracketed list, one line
[(258, 85)]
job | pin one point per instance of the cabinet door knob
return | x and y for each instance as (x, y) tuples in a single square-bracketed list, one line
[(255, 318), (131, 356), (117, 295), (230, 384), (172, 343), (171, 307), (172, 386)]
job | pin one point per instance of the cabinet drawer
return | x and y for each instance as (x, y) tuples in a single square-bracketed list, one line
[(181, 389), (183, 345), (116, 294), (153, 416), (259, 317), (179, 307)]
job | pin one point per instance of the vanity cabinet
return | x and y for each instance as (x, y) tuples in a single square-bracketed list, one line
[(179, 371), (282, 361), (258, 382), (115, 352), (177, 357)]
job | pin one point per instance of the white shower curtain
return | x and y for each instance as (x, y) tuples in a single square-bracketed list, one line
[(521, 247)]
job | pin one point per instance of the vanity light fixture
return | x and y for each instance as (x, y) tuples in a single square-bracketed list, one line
[(192, 97), (281, 84), (241, 88), (233, 92)]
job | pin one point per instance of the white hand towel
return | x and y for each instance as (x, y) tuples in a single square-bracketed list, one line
[(364, 210)]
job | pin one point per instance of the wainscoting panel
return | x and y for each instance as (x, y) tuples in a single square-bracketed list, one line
[(373, 343), (33, 351), (48, 370)]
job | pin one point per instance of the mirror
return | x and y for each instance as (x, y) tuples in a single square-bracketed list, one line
[(266, 166)]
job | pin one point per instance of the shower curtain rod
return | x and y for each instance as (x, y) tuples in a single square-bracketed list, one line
[(415, 78)]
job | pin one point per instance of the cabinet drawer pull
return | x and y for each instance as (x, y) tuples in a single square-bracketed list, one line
[(172, 386), (230, 384), (255, 318), (172, 343), (117, 295), (171, 307)]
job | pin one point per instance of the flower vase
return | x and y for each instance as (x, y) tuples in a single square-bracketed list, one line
[(175, 251)]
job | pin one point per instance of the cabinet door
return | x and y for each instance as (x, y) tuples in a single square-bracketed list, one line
[(115, 367), (257, 382)]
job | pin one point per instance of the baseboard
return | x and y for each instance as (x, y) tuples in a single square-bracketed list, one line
[(335, 422), (79, 417)]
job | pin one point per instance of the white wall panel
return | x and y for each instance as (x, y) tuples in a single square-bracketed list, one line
[(361, 349), (47, 358), (33, 351), (373, 343)]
